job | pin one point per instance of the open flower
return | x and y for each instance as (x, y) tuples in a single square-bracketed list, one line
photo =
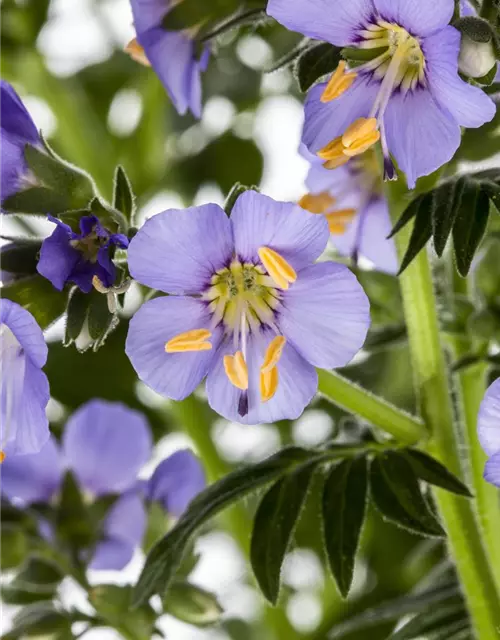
[(67, 256), (172, 54), (352, 200), (105, 445), (17, 129), (407, 93), (25, 388), (488, 428), (248, 309)]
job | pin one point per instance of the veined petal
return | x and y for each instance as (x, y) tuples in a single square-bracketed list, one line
[(326, 121), (297, 384), (105, 444), (421, 135), (112, 554), (325, 315), (420, 17), (492, 469), (178, 251), (58, 258), (148, 13), (174, 375), (488, 421), (469, 105), (26, 330), (296, 235), (34, 477), (335, 21), (176, 481)]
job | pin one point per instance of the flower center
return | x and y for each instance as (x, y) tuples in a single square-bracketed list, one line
[(89, 246)]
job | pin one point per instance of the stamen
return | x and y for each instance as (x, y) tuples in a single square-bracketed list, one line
[(136, 52), (338, 83), (2, 456), (99, 286), (268, 384), (236, 370), (317, 203), (357, 138), (338, 220), (194, 340), (273, 353), (358, 131), (278, 268)]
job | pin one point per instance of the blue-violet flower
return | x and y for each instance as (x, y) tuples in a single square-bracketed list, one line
[(488, 428)]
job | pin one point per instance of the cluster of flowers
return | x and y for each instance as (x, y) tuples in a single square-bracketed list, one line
[(248, 307)]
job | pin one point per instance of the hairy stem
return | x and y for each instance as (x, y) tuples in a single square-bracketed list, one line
[(353, 398), (466, 544)]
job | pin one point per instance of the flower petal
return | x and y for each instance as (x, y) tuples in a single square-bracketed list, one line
[(297, 235), (16, 122), (297, 385), (26, 330), (148, 13), (325, 315), (326, 121), (492, 470), (420, 18), (33, 477), (105, 445), (488, 421), (112, 554), (174, 375), (421, 135), (179, 250), (469, 105), (335, 21), (58, 258), (176, 481)]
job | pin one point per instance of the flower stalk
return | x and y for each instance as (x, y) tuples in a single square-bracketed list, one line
[(465, 539)]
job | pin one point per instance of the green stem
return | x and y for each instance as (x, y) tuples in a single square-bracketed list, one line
[(431, 384), (489, 10), (382, 414), (197, 419)]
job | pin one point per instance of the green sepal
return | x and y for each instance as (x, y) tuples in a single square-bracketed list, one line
[(112, 603), (123, 195), (234, 194), (38, 579), (88, 318), (488, 78), (192, 604)]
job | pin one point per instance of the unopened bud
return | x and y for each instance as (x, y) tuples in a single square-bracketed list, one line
[(477, 52)]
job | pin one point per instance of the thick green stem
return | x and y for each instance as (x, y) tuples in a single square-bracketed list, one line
[(353, 398), (197, 419), (431, 381)]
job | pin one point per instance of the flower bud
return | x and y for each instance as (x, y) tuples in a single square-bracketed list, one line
[(477, 52)]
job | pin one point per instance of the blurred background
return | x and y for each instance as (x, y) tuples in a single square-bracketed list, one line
[(98, 108)]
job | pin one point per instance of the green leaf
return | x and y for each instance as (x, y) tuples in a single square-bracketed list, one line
[(100, 320), (424, 601), (234, 194), (344, 505), (112, 602), (433, 472), (39, 619), (430, 622), (39, 297), (36, 200), (446, 202), (422, 229), (317, 61), (192, 604), (166, 556), (470, 226), (273, 527), (123, 196), (76, 315), (14, 546), (20, 256), (37, 580), (396, 493)]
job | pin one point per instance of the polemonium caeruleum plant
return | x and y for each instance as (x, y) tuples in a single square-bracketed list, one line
[(388, 366)]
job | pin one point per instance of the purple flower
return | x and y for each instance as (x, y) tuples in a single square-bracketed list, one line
[(105, 445), (352, 200), (172, 54), (25, 389), (248, 308), (408, 94), (17, 130), (67, 256), (488, 428)]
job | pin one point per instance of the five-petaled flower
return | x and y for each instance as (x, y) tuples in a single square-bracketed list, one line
[(105, 445), (17, 129), (351, 198), (172, 54), (488, 428), (248, 308), (25, 389), (407, 93), (67, 256)]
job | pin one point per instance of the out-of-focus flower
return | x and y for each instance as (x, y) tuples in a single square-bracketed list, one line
[(105, 445), (477, 53), (352, 200), (67, 256), (172, 54), (248, 308), (488, 428), (17, 129), (407, 92), (25, 389)]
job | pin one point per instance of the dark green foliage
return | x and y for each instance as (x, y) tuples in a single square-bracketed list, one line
[(20, 257), (37, 580), (192, 604), (123, 196), (37, 294), (316, 61), (433, 472), (112, 603), (40, 619)]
